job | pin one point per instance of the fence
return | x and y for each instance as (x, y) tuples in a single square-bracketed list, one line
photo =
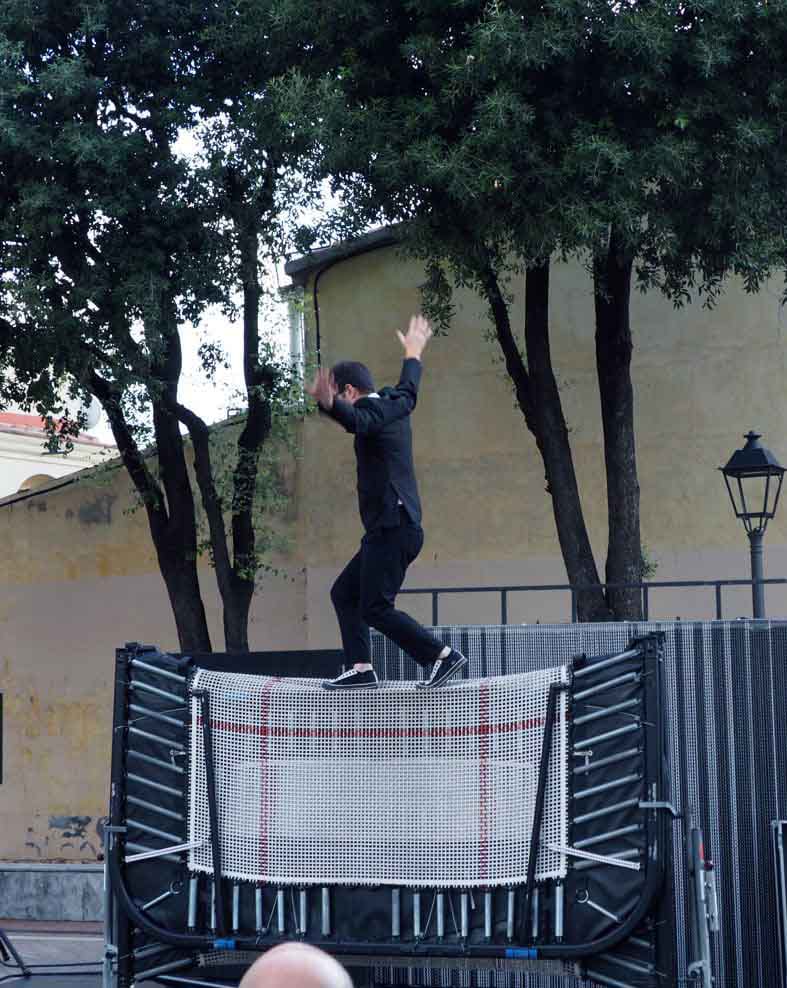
[(645, 589)]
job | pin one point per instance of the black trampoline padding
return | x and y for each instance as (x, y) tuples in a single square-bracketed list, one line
[(56, 981)]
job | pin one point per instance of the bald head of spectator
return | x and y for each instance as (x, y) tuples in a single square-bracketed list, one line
[(296, 965)]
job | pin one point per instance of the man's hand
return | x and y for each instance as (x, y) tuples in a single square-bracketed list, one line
[(416, 338), (323, 389)]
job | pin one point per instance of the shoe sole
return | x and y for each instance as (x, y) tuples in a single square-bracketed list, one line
[(360, 686), (455, 669)]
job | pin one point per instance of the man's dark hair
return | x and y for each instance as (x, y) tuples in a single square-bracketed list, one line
[(351, 372)]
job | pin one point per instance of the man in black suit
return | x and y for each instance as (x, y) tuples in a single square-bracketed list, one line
[(365, 591)]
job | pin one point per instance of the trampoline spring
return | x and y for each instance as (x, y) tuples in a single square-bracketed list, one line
[(560, 893), (535, 924), (606, 811), (639, 942), (326, 911), (269, 924), (453, 914), (510, 914), (604, 979), (295, 917), (144, 849), (135, 684), (583, 899), (164, 968), (417, 915), (281, 919), (193, 899), (623, 856), (158, 762), (155, 785), (610, 835), (258, 924), (606, 711), (154, 809), (396, 914), (213, 904), (155, 715), (622, 756), (605, 663), (164, 673), (429, 916), (159, 898), (465, 915), (172, 745), (610, 684), (303, 907), (604, 786), (487, 915), (153, 830), (608, 735), (627, 962), (235, 908), (440, 916)]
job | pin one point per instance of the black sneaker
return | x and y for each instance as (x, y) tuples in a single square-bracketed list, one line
[(353, 680), (443, 669)]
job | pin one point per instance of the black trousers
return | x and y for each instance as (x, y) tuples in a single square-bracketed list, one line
[(364, 594)]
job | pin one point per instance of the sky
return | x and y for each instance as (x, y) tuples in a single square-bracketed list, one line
[(212, 400)]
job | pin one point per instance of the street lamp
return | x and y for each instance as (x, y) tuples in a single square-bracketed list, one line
[(754, 481)]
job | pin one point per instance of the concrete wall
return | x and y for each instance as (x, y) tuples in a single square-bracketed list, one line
[(78, 575)]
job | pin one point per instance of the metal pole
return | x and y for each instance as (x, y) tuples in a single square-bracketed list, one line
[(757, 589), (108, 979)]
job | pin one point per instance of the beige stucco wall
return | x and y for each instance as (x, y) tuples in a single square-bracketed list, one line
[(702, 378), (78, 578), (78, 574)]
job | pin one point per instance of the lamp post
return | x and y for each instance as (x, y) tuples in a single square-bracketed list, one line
[(753, 477)]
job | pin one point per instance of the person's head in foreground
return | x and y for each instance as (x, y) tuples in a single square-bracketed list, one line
[(296, 965)]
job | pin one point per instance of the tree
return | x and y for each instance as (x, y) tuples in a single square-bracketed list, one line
[(113, 243), (502, 135)]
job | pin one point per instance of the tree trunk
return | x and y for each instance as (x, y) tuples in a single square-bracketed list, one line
[(182, 582), (175, 552), (258, 380), (539, 399), (612, 291)]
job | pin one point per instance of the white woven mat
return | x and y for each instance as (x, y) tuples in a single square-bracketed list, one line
[(395, 786)]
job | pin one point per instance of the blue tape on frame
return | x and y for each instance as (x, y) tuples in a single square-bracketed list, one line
[(528, 953), (224, 944)]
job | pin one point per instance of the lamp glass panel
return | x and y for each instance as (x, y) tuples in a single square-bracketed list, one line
[(755, 489)]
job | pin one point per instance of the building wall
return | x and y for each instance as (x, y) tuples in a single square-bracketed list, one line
[(78, 578), (78, 574), (702, 378), (22, 457)]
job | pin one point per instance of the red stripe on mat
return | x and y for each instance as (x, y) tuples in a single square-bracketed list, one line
[(483, 781), (266, 695), (472, 730)]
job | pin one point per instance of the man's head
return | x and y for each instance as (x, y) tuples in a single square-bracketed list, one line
[(353, 380), (296, 965)]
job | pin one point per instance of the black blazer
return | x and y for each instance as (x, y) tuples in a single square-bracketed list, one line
[(384, 450)]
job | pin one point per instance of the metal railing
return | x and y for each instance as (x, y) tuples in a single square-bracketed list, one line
[(645, 589)]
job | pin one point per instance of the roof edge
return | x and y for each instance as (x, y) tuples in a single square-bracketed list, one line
[(299, 268)]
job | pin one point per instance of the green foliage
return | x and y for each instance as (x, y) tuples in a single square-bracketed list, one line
[(649, 563), (529, 130), (114, 242)]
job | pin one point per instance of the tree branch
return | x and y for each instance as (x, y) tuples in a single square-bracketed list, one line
[(203, 469), (515, 365), (133, 459)]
